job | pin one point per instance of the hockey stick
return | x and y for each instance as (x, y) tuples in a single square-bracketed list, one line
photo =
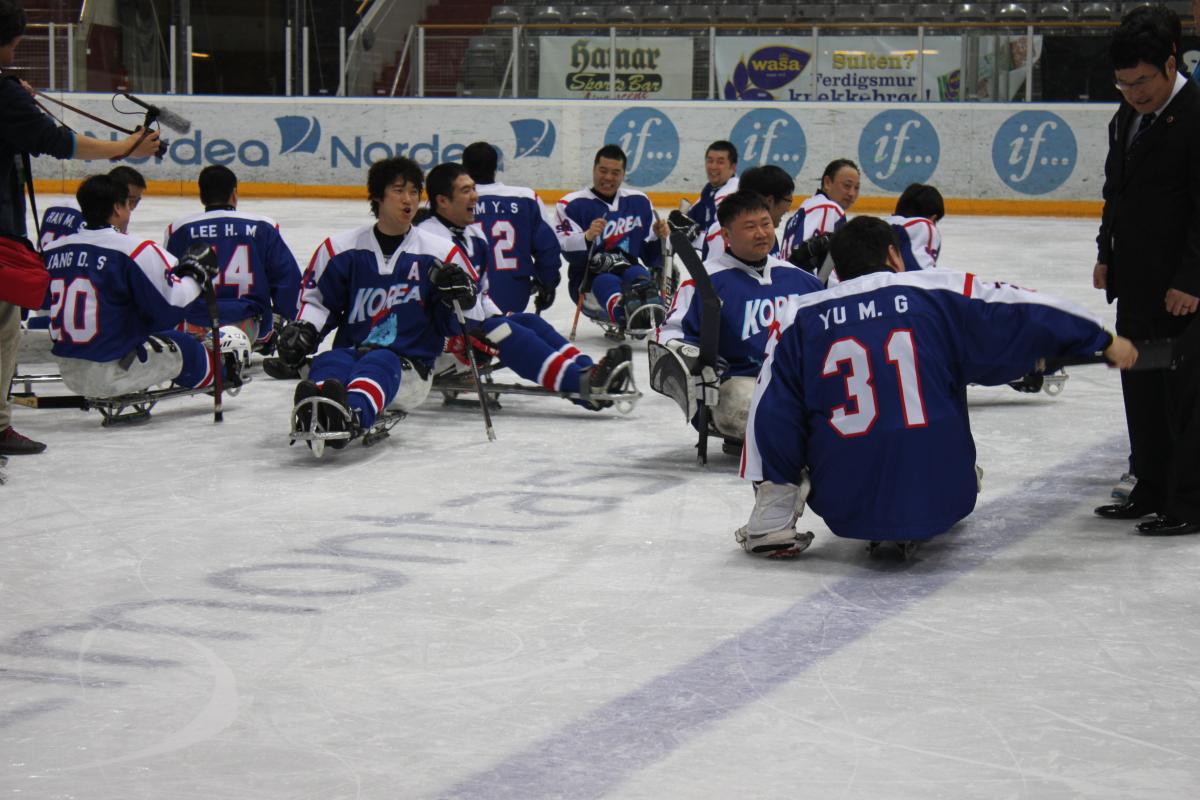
[(1153, 354), (470, 350), (710, 328), (214, 315), (583, 288)]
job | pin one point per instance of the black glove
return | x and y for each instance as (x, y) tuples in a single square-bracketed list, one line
[(543, 296), (680, 222), (199, 263), (810, 254), (295, 341), (453, 282), (614, 262)]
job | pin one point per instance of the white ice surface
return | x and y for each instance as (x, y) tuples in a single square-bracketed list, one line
[(197, 611)]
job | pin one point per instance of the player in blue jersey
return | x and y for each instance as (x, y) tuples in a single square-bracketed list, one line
[(863, 396), (63, 220), (114, 300), (259, 275), (523, 342), (754, 286), (605, 219), (720, 168), (770, 182), (388, 289), (526, 257), (821, 214), (919, 209)]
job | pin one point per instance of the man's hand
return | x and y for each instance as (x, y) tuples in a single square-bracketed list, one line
[(27, 86), (661, 229), (1181, 304), (1100, 276), (596, 228), (1121, 353)]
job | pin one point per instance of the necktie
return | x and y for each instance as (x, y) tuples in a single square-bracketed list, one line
[(1143, 125)]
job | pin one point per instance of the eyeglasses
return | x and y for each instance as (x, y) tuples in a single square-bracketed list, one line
[(1122, 86)]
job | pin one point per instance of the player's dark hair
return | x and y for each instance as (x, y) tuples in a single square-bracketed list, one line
[(440, 182), (610, 151), (769, 181), (217, 184), (834, 167), (12, 21), (1147, 35), (384, 173), (723, 146), (861, 246), (481, 160), (96, 197), (740, 202), (128, 176), (921, 200)]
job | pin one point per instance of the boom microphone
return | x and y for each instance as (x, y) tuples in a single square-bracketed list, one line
[(163, 115)]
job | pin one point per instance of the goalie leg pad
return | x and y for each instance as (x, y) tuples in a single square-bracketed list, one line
[(733, 407), (671, 373), (772, 525)]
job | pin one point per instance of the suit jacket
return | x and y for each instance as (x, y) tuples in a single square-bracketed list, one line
[(1150, 229)]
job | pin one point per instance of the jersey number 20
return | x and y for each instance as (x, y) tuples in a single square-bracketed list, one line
[(74, 311), (901, 352)]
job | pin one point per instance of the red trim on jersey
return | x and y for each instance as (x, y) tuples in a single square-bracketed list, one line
[(466, 262), (742, 470), (312, 265), (371, 389), (137, 251), (968, 285)]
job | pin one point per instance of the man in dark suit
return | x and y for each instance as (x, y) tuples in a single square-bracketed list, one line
[(1149, 262)]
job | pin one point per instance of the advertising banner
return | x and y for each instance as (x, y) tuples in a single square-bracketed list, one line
[(647, 67), (977, 151), (872, 68)]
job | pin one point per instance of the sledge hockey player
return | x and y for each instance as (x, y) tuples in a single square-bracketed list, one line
[(861, 408), (821, 215), (774, 185), (259, 276), (918, 211), (525, 343), (63, 220), (389, 290), (720, 168), (114, 301), (526, 257), (754, 287), (611, 239)]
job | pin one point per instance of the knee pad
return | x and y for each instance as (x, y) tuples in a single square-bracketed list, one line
[(414, 387), (733, 407)]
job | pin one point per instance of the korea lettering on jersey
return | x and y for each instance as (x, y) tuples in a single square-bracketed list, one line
[(60, 221), (523, 244), (817, 214), (109, 292), (920, 241), (629, 228), (373, 301), (866, 386), (474, 255), (751, 307), (258, 272)]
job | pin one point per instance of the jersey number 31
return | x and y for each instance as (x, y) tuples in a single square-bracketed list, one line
[(901, 352)]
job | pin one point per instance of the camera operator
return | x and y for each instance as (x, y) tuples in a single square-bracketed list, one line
[(26, 131)]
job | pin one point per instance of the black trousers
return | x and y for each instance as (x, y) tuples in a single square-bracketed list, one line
[(1162, 412)]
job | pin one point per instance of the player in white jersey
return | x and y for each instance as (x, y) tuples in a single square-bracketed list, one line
[(114, 302), (526, 257), (821, 214), (918, 211)]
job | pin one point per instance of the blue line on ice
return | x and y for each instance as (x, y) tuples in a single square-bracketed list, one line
[(592, 755)]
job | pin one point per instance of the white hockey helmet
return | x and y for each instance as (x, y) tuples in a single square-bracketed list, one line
[(234, 340)]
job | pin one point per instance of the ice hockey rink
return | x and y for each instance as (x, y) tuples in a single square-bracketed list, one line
[(198, 611)]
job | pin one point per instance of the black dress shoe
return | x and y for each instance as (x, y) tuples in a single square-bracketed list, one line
[(1167, 526), (1131, 510)]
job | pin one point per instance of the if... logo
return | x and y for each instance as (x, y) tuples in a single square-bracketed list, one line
[(1034, 152), (898, 148), (650, 142)]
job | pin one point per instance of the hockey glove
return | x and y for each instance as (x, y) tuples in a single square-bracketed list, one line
[(810, 254), (453, 283), (295, 341), (680, 222), (199, 263), (614, 262), (543, 296)]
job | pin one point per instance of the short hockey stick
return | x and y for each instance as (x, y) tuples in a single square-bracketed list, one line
[(214, 315), (710, 327), (470, 351)]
